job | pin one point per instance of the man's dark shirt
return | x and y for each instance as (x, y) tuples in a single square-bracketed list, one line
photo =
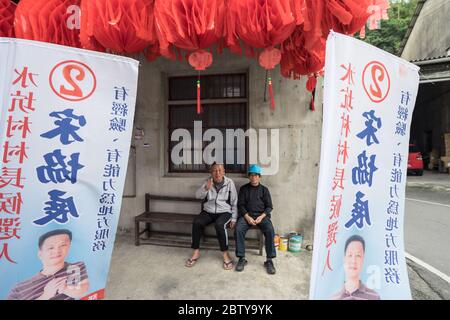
[(254, 200)]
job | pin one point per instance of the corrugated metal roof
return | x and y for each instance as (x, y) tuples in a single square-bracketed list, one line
[(429, 59)]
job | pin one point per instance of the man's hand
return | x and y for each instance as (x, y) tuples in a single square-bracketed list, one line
[(209, 184), (260, 218), (232, 224), (53, 287), (250, 220)]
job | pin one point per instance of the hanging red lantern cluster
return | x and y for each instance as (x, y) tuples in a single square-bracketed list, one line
[(261, 24), (51, 21), (120, 26), (346, 16), (7, 9), (191, 25), (287, 32), (296, 60), (303, 53)]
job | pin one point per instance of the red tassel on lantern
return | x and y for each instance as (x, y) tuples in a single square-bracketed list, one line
[(311, 87), (199, 106), (268, 59), (200, 60), (272, 98), (312, 106)]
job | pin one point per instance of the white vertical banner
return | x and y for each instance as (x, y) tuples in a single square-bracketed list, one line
[(369, 99), (66, 121)]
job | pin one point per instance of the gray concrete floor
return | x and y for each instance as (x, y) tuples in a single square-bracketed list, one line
[(150, 272), (157, 272)]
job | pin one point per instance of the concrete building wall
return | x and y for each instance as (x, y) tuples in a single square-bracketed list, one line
[(293, 188), (430, 36)]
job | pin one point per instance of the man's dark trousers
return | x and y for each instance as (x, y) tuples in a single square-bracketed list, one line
[(267, 229), (220, 222)]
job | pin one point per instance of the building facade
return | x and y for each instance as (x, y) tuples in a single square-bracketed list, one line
[(427, 44), (234, 90)]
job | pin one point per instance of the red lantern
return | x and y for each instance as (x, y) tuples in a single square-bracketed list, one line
[(345, 16), (188, 24), (191, 25), (200, 60), (7, 9), (262, 24), (54, 21), (269, 58), (121, 26), (297, 60)]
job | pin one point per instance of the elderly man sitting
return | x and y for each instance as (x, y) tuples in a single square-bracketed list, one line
[(255, 207), (219, 207)]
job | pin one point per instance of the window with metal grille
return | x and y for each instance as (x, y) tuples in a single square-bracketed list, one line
[(224, 106)]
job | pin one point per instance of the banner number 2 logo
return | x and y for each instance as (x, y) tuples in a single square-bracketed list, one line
[(72, 80), (376, 81)]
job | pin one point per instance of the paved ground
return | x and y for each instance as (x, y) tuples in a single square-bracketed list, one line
[(157, 273), (154, 272), (427, 225), (430, 179)]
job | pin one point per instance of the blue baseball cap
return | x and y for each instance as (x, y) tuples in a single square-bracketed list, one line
[(254, 168)]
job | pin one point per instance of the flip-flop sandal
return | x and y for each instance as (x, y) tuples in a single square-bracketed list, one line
[(228, 265), (190, 262)]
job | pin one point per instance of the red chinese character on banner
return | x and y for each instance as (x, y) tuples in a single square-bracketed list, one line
[(24, 76), (332, 231), (9, 228), (18, 98), (20, 125), (18, 151), (4, 253), (335, 209), (342, 151), (10, 175), (349, 72), (345, 124), (338, 180), (327, 263), (10, 202), (348, 97)]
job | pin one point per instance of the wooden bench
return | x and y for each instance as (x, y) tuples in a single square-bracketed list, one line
[(148, 217)]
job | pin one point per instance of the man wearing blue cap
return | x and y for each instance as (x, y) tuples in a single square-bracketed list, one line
[(254, 209)]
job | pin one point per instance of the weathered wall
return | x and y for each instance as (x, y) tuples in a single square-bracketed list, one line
[(430, 36), (293, 188)]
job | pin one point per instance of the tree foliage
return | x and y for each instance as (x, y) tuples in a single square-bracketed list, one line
[(390, 35)]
